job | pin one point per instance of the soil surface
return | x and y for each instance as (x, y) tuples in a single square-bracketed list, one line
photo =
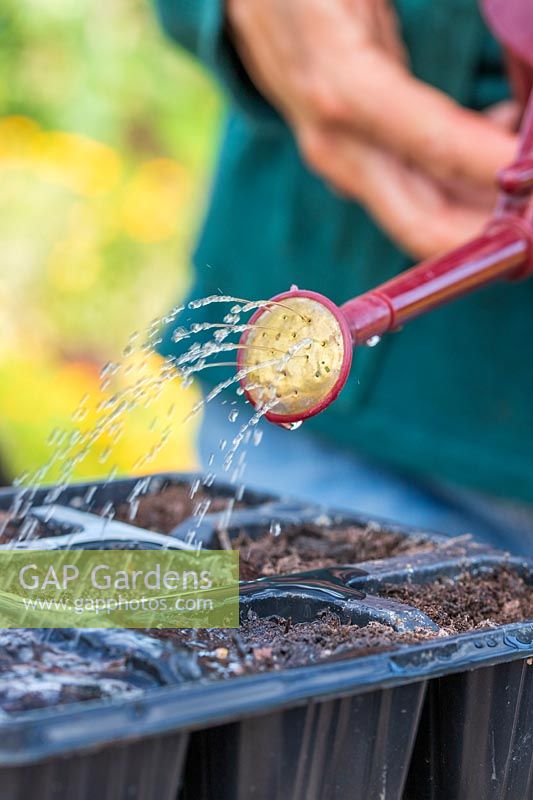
[(13, 528), (35, 673), (470, 602), (162, 511), (295, 549), (274, 643), (313, 547)]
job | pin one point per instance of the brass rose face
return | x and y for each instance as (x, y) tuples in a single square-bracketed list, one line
[(294, 353)]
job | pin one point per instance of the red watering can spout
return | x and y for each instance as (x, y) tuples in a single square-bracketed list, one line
[(315, 337)]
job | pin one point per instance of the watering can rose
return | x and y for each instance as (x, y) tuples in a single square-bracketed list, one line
[(119, 588)]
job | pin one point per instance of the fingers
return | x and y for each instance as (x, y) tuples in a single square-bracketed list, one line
[(470, 194), (341, 64), (335, 65), (421, 124), (416, 214), (409, 207), (505, 114), (387, 31)]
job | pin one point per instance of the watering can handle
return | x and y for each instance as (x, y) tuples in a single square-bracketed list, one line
[(505, 248), (516, 180), (511, 21)]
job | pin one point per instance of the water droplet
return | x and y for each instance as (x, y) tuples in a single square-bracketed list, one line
[(373, 341), (171, 316), (133, 509), (53, 437), (293, 426), (275, 528), (258, 435), (111, 368), (201, 510), (179, 334), (80, 415), (232, 416), (89, 494), (107, 509), (104, 455), (20, 480)]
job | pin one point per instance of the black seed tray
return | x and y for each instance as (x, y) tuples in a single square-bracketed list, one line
[(449, 718)]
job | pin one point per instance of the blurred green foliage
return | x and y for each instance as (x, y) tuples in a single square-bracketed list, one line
[(107, 137)]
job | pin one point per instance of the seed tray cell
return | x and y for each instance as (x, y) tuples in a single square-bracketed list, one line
[(442, 717)]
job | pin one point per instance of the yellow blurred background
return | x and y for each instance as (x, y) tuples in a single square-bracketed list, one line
[(107, 136)]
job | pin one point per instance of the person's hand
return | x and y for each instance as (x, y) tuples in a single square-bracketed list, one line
[(337, 71)]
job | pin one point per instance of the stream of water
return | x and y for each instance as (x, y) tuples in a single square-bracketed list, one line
[(140, 388)]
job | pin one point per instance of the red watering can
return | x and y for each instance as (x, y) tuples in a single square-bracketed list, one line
[(318, 337)]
